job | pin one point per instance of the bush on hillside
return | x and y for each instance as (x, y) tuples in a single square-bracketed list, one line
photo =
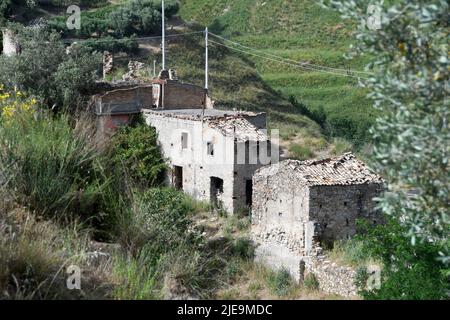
[(45, 70), (135, 149), (409, 271)]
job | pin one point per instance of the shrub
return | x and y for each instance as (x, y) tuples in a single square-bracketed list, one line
[(43, 69), (409, 271), (135, 149), (310, 282), (280, 282), (300, 152)]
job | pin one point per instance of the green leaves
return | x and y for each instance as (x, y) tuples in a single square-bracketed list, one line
[(135, 149), (409, 86)]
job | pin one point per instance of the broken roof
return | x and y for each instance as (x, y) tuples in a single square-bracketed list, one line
[(343, 170), (239, 128), (229, 123)]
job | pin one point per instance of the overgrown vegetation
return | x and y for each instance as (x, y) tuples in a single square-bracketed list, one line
[(409, 271), (45, 70), (135, 149)]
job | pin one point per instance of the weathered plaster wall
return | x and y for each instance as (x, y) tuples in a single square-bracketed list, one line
[(279, 221)]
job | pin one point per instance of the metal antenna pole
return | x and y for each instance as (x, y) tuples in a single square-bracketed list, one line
[(163, 37), (206, 59)]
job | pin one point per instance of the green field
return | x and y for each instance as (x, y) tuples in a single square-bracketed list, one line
[(301, 31)]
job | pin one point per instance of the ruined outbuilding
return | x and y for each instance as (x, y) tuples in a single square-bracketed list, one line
[(301, 206)]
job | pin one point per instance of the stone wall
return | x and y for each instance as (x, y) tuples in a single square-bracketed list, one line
[(179, 95), (291, 221), (279, 221), (336, 209), (332, 278)]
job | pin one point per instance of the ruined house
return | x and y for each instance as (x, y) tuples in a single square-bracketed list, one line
[(300, 206), (212, 153)]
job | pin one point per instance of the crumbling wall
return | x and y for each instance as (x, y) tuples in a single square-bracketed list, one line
[(336, 209), (108, 63), (129, 100), (279, 221), (291, 221), (197, 166), (179, 95), (332, 278)]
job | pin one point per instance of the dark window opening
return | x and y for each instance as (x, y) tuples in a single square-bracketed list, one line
[(248, 192), (346, 222), (177, 177), (210, 148), (345, 203)]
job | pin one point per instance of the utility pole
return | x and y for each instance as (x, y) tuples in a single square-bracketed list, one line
[(163, 36), (154, 68), (206, 72), (206, 59)]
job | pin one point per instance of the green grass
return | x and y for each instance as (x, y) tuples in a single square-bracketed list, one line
[(301, 31)]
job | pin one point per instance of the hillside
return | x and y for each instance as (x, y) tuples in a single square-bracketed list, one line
[(301, 31)]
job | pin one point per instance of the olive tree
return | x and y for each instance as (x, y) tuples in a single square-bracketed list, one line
[(408, 46)]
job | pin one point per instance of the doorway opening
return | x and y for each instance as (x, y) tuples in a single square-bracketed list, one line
[(248, 192), (177, 177), (216, 190)]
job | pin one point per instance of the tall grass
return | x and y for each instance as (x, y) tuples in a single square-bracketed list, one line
[(52, 167), (34, 254)]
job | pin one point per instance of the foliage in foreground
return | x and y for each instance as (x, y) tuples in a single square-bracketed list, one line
[(52, 168), (409, 271), (410, 87)]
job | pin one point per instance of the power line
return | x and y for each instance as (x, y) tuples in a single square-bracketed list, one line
[(287, 63), (137, 38), (290, 60)]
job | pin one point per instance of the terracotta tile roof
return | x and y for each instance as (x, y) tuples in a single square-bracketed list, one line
[(343, 170)]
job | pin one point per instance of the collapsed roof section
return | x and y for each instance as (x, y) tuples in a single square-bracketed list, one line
[(342, 170)]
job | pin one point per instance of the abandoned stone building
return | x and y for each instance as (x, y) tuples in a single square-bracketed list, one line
[(212, 154), (300, 206), (210, 151)]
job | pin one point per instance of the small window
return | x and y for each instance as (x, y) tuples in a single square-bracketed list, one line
[(184, 140), (280, 214), (210, 148), (345, 203)]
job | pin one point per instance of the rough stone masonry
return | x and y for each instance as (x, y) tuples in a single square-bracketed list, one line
[(300, 206)]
